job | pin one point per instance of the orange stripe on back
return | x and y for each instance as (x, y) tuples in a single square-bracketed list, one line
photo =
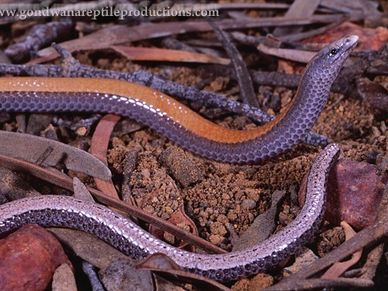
[(175, 110)]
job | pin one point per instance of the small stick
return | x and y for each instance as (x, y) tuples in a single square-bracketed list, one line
[(244, 79), (39, 36)]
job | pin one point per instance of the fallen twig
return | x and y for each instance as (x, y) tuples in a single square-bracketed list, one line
[(39, 36), (244, 79)]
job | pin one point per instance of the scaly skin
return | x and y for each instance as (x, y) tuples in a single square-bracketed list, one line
[(177, 122)]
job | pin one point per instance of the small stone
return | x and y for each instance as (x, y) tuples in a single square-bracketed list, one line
[(218, 228), (354, 190), (203, 214), (225, 196), (183, 166), (168, 210), (252, 194), (248, 204), (284, 216), (169, 238), (374, 94), (223, 219), (232, 215), (63, 279), (81, 131), (29, 258), (216, 239), (260, 281)]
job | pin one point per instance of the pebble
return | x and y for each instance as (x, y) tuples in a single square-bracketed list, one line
[(218, 228), (183, 166), (354, 191), (123, 275), (215, 239), (63, 279), (248, 204), (29, 258)]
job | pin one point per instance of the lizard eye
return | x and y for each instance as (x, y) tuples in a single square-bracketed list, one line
[(333, 52)]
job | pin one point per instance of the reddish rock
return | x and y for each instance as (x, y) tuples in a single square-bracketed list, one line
[(354, 192), (29, 258), (374, 94)]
